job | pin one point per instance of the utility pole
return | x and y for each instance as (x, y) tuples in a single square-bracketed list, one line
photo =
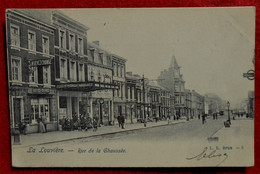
[(144, 97)]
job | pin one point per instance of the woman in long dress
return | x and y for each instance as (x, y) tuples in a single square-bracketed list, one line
[(41, 126)]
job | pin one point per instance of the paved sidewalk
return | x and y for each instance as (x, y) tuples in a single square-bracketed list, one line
[(240, 130), (59, 136)]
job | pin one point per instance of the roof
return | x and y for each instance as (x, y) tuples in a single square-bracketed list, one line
[(45, 15), (42, 17)]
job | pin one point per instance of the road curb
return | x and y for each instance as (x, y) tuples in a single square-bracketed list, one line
[(91, 136)]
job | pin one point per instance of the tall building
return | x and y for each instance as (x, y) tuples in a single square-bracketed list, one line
[(173, 81)]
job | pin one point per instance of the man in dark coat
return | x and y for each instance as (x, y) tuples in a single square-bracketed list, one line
[(122, 122), (119, 120)]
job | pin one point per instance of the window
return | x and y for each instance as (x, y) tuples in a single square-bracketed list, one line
[(72, 42), (105, 60), (63, 69), (80, 45), (101, 58), (72, 71), (108, 60), (33, 75), (39, 108), (115, 69), (45, 45), (92, 75), (46, 74), (62, 39), (122, 71), (81, 72), (31, 40), (15, 35), (63, 102), (16, 69), (92, 54), (133, 93), (117, 72)]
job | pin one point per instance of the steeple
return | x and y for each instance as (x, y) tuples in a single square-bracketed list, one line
[(174, 63)]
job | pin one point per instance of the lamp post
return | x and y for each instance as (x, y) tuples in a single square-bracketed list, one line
[(101, 101), (132, 107), (228, 104)]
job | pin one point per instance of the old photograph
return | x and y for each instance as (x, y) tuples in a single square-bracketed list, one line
[(131, 87)]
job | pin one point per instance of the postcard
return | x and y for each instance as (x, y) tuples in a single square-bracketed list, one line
[(135, 87)]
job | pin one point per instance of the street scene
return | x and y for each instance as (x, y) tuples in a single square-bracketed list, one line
[(82, 82)]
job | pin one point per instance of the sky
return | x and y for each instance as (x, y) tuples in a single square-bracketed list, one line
[(213, 46)]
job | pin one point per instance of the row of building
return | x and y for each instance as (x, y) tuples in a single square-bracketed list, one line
[(55, 72)]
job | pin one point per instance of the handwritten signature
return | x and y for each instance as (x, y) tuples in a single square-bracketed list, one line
[(207, 154)]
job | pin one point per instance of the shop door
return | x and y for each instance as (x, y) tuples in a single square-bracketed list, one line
[(17, 110), (44, 109)]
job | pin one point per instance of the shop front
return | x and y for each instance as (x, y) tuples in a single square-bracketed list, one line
[(29, 106)]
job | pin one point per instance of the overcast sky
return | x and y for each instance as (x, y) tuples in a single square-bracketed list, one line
[(213, 46)]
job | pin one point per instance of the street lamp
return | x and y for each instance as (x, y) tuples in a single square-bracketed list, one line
[(132, 107), (101, 101), (228, 104)]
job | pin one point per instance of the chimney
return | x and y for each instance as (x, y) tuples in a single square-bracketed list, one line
[(96, 42)]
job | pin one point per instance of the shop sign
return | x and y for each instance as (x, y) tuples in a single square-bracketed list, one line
[(40, 62), (40, 91)]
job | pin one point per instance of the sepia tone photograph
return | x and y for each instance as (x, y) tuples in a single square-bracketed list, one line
[(147, 87)]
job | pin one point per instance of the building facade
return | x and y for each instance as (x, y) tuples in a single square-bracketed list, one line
[(119, 78), (30, 49), (198, 108), (173, 81)]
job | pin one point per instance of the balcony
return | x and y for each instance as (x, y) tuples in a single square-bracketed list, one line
[(87, 86)]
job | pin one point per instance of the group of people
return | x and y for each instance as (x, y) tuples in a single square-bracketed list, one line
[(83, 122)]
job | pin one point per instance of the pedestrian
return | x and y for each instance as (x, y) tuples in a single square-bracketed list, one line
[(44, 121), (199, 116), (169, 119), (119, 120), (203, 118), (22, 127), (41, 128), (122, 121), (95, 125), (145, 121)]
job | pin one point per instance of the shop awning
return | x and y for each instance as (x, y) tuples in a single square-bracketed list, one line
[(86, 86)]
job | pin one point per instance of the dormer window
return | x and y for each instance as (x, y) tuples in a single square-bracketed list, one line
[(101, 58), (92, 53)]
